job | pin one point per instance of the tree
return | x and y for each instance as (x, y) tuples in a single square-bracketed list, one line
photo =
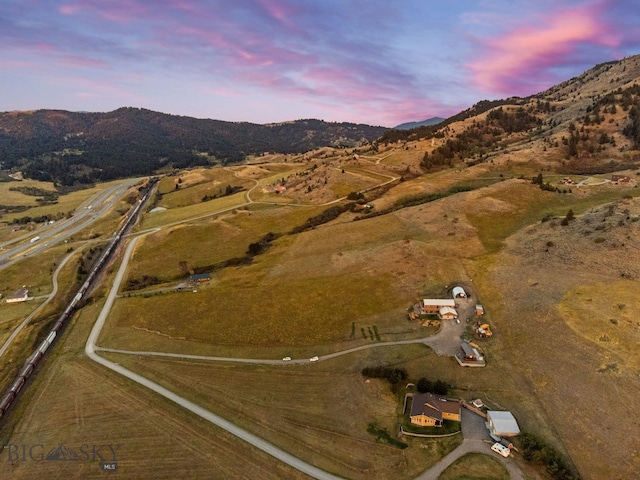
[(570, 215)]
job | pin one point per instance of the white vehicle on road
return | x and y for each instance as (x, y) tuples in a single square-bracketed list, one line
[(286, 359), (314, 359)]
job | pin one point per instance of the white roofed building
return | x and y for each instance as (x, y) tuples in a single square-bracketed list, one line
[(459, 292), (433, 305), (20, 296), (447, 313), (502, 424)]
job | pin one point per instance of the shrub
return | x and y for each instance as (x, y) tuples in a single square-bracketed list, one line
[(535, 450), (395, 376)]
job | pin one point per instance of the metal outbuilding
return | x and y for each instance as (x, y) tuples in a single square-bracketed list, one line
[(502, 424), (459, 292)]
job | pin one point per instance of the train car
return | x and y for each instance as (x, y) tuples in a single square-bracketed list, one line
[(36, 358), (44, 346), (57, 326), (27, 371), (6, 402), (51, 337), (17, 385)]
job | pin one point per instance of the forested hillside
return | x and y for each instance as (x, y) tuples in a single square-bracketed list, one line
[(72, 147)]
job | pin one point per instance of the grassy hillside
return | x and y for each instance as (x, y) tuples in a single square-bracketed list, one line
[(339, 251)]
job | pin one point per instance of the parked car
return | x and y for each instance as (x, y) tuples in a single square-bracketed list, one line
[(500, 449), (314, 359)]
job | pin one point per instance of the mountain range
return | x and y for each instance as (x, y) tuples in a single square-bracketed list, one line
[(575, 122), (423, 123), (78, 147)]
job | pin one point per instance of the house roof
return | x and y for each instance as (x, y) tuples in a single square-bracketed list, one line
[(200, 276), (22, 293), (433, 406), (435, 302), (469, 350), (448, 310), (504, 423)]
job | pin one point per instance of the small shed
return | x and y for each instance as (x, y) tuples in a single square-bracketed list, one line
[(502, 424), (458, 292)]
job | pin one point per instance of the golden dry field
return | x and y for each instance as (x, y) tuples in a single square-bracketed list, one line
[(560, 300), (475, 466), (97, 415), (318, 414)]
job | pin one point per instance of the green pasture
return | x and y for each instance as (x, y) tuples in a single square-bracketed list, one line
[(12, 197), (213, 183), (203, 244), (244, 308), (196, 211)]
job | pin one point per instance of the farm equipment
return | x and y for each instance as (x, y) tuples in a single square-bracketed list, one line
[(484, 331)]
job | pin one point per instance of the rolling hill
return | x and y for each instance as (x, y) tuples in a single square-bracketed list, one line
[(71, 147)]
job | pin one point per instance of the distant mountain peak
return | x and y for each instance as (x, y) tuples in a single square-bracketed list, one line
[(423, 123)]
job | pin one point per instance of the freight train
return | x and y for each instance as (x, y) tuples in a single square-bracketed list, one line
[(34, 359)]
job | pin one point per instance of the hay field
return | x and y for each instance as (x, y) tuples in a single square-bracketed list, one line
[(212, 240), (307, 289), (475, 466), (75, 402), (13, 197), (174, 216), (195, 185), (318, 414)]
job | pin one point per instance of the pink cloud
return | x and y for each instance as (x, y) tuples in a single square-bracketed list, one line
[(120, 11), (513, 61), (82, 62)]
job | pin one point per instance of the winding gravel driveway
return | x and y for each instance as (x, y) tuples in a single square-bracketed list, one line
[(254, 440)]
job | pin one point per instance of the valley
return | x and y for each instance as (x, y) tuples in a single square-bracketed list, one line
[(306, 254)]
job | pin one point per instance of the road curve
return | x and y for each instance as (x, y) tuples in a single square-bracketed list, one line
[(53, 293), (90, 350)]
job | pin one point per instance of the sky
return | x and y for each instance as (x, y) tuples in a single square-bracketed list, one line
[(379, 62)]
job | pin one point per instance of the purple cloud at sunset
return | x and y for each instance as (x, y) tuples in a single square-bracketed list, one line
[(521, 61), (275, 60)]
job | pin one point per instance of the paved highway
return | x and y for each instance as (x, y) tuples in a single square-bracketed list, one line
[(51, 234)]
